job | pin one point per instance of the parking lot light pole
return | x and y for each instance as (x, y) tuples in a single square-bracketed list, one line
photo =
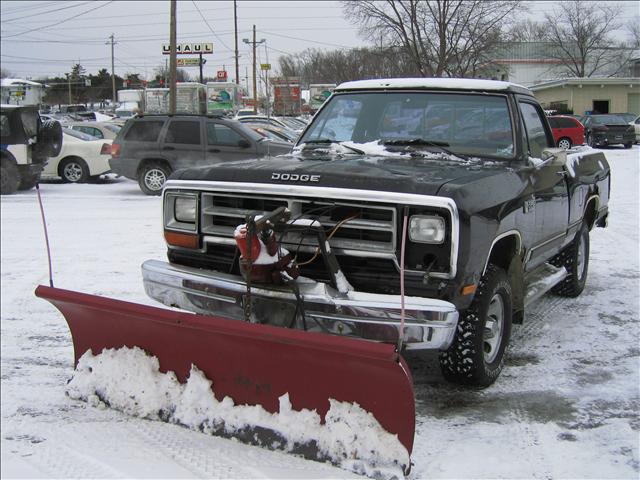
[(172, 60)]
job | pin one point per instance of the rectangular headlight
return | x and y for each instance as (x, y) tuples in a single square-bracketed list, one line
[(185, 209), (427, 229), (181, 211)]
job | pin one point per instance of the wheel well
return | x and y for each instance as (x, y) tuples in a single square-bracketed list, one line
[(158, 161), (503, 251), (590, 212)]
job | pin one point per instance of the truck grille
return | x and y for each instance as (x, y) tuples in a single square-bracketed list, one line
[(371, 228)]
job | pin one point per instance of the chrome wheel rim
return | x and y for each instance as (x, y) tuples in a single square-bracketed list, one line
[(564, 144), (154, 179), (72, 172), (581, 262), (493, 328)]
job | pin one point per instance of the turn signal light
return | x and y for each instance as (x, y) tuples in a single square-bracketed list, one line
[(185, 240)]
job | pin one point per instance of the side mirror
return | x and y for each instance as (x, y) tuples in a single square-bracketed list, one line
[(556, 157), (243, 143)]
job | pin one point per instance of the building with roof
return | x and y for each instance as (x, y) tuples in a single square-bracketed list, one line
[(14, 91), (583, 96)]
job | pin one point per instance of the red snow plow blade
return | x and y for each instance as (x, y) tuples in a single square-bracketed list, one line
[(251, 363)]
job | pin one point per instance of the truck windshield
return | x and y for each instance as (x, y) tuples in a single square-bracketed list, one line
[(468, 124)]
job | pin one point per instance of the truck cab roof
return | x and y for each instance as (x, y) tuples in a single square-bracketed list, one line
[(449, 84)]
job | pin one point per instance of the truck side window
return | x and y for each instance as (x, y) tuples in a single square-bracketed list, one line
[(534, 127)]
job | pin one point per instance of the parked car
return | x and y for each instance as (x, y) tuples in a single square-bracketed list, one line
[(274, 133), (636, 128), (243, 112), (270, 121), (81, 158), (608, 129), (26, 141), (567, 131), (150, 147), (98, 130), (293, 123)]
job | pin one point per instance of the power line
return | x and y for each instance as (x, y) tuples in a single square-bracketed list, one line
[(205, 21), (22, 17), (63, 21)]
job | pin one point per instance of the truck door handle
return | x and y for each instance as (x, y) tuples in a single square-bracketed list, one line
[(168, 148), (213, 150)]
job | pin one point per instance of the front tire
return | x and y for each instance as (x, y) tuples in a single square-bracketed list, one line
[(9, 177), (476, 356), (74, 170), (575, 258), (152, 177)]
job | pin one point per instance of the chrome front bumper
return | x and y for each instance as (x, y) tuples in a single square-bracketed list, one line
[(429, 323)]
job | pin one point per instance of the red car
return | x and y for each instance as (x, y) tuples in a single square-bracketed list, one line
[(567, 131)]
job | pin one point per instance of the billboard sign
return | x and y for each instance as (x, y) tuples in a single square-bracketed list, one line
[(189, 62), (188, 48)]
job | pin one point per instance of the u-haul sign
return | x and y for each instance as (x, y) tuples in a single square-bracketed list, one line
[(188, 48)]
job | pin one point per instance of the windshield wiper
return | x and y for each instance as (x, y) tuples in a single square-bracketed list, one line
[(428, 143), (327, 141)]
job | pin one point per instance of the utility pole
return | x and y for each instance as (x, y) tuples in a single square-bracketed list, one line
[(235, 22), (172, 60), (255, 83), (113, 72)]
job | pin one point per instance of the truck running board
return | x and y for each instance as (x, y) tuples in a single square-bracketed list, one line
[(541, 280), (251, 363)]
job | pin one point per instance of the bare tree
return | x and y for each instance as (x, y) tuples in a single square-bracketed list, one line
[(633, 29), (579, 35), (526, 31), (441, 37), (4, 73)]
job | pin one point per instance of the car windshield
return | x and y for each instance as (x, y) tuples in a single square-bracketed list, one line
[(79, 135), (464, 123)]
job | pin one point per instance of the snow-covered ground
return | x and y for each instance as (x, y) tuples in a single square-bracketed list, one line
[(566, 405)]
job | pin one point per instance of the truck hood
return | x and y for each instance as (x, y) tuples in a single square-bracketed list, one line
[(423, 175)]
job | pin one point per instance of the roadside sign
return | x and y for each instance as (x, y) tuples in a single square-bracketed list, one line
[(265, 66), (189, 62), (188, 48), (221, 75)]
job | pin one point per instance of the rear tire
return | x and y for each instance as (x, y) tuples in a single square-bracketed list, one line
[(9, 177), (476, 356), (628, 145), (575, 258), (564, 143), (152, 177), (74, 170)]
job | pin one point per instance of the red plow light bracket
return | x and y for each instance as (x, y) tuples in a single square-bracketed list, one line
[(253, 364)]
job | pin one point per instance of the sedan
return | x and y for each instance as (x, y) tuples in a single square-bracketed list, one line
[(274, 133), (81, 158), (99, 130), (567, 131), (608, 129)]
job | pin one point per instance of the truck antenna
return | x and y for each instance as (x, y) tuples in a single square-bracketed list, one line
[(46, 235)]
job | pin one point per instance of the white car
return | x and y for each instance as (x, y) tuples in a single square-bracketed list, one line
[(81, 157), (636, 127)]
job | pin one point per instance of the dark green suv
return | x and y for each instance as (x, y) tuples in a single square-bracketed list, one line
[(150, 147)]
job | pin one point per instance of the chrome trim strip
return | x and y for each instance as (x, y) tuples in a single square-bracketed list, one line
[(508, 233), (542, 244)]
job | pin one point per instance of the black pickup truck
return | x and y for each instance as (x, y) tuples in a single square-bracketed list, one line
[(423, 212)]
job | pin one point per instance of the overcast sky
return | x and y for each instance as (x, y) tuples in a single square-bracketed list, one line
[(40, 38)]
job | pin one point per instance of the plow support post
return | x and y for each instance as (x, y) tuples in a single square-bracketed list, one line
[(253, 364)]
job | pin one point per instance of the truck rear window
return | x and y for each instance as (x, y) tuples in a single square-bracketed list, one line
[(144, 131)]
